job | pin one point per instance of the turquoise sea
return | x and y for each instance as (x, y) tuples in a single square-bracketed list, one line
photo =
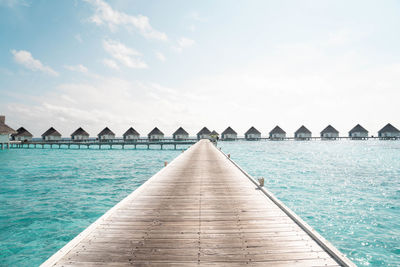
[(348, 190)]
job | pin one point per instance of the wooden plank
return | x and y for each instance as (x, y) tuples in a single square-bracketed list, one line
[(200, 210)]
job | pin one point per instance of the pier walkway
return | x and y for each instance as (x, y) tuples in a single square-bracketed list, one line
[(201, 210)]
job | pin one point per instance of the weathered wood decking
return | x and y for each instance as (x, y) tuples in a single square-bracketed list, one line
[(199, 210)]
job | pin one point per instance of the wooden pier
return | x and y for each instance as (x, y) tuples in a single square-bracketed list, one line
[(88, 144), (166, 142), (200, 210)]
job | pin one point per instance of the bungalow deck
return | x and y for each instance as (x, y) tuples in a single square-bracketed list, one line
[(200, 210)]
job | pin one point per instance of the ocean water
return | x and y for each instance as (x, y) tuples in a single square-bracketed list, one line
[(348, 190), (48, 196)]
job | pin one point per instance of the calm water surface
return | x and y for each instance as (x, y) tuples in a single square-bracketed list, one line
[(348, 190)]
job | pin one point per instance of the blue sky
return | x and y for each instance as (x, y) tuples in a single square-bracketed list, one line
[(199, 63)]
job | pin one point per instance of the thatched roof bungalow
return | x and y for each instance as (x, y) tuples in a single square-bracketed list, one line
[(389, 132), (229, 134), (329, 133), (358, 132), (302, 133), (155, 134), (51, 135), (131, 134), (22, 135), (180, 134), (204, 133), (277, 133), (80, 134), (252, 134), (106, 134), (5, 130)]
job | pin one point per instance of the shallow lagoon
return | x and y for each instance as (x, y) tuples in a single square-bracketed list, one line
[(348, 190)]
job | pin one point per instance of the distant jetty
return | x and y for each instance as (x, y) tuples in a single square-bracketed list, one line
[(22, 138)]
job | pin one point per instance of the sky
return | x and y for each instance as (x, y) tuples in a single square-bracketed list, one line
[(123, 63)]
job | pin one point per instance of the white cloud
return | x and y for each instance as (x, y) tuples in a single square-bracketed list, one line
[(124, 55), (196, 16), (293, 84), (340, 37), (287, 90), (78, 37), (92, 106), (185, 42), (78, 68), (191, 28), (182, 43), (26, 59), (105, 14), (110, 63), (338, 90), (160, 56)]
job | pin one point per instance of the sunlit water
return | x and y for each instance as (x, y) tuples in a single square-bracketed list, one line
[(348, 190)]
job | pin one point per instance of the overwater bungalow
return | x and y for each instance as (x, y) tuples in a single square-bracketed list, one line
[(277, 133), (22, 135), (358, 132), (204, 134), (329, 133), (214, 135), (155, 134), (302, 133), (51, 135), (252, 134), (106, 135), (131, 134), (180, 134), (389, 132), (79, 135), (5, 131), (229, 134)]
